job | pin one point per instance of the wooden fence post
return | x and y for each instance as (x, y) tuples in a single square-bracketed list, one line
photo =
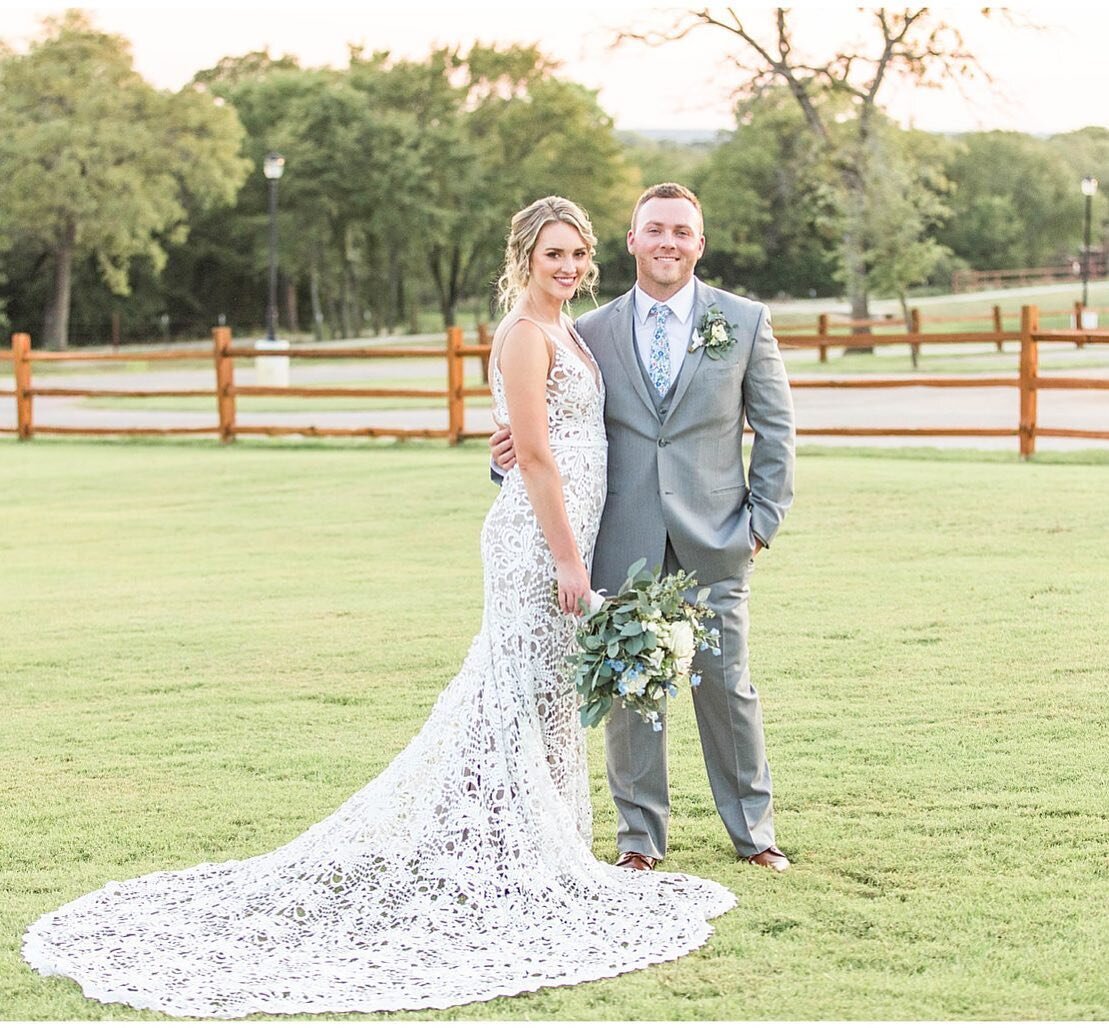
[(225, 383), (484, 339), (1079, 310), (455, 409), (21, 369), (1029, 369), (998, 326), (914, 329), (822, 330)]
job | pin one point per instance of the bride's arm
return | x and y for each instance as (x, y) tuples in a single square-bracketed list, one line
[(525, 363)]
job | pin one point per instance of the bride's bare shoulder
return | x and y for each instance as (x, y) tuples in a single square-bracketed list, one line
[(519, 339)]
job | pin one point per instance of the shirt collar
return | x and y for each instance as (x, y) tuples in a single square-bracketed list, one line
[(680, 304)]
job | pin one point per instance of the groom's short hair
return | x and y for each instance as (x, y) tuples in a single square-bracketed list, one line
[(668, 191)]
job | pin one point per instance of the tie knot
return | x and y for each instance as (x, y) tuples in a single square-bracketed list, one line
[(660, 311)]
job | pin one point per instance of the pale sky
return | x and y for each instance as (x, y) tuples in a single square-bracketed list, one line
[(1050, 78)]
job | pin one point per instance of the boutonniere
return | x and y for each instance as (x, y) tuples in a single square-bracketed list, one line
[(713, 333)]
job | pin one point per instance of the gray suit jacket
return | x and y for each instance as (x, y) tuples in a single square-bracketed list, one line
[(681, 476)]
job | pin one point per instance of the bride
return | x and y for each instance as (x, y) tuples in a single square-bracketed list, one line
[(463, 871)]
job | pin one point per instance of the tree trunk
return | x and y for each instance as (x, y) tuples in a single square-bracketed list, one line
[(353, 322), (855, 273), (449, 284), (317, 308), (400, 301), (394, 294), (344, 302), (292, 308), (56, 320), (442, 287), (335, 309)]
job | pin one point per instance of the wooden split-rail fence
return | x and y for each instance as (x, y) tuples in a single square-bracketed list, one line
[(832, 324), (1028, 382)]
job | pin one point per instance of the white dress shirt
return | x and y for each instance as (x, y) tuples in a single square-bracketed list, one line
[(679, 326)]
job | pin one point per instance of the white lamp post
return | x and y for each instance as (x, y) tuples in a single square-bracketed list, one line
[(272, 371), (1089, 187), (273, 166)]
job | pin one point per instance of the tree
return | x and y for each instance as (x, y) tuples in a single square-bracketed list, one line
[(1086, 151), (1016, 202), (497, 130), (911, 43), (401, 176), (905, 203), (95, 162), (768, 219)]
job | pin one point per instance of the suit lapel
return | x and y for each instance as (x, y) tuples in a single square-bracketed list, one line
[(622, 339), (693, 360)]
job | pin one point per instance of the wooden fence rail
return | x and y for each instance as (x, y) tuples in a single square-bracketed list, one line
[(1028, 382), (829, 324)]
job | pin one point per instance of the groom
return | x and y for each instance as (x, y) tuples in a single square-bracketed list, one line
[(684, 364)]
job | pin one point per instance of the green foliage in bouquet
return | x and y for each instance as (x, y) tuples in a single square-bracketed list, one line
[(638, 646)]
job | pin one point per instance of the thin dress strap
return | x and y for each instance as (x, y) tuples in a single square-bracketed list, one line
[(582, 355)]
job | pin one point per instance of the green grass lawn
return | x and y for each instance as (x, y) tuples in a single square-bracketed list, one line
[(205, 649)]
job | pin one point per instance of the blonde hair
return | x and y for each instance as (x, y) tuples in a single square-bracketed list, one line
[(522, 237)]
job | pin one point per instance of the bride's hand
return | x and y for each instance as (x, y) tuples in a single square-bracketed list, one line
[(573, 585)]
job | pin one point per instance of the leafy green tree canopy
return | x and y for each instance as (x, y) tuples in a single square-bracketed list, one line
[(93, 160)]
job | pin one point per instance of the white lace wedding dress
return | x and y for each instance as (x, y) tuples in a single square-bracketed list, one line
[(462, 872)]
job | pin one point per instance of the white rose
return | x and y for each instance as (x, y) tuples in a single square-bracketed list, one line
[(681, 640), (719, 332), (594, 603)]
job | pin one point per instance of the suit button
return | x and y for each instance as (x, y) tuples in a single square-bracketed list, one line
[(664, 442)]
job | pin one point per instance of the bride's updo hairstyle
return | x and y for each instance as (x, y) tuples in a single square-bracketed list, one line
[(522, 235)]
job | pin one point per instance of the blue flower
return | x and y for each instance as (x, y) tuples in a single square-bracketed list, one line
[(616, 665), (656, 726), (695, 680), (672, 689)]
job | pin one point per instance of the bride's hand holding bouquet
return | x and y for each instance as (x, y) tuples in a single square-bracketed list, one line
[(637, 647)]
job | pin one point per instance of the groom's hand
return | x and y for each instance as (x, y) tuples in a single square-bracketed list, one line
[(502, 450), (758, 546)]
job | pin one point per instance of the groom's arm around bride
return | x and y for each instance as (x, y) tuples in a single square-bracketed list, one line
[(685, 366)]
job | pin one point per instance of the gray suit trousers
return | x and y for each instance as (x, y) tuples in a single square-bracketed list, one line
[(729, 720)]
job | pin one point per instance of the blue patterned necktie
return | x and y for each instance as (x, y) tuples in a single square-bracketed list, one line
[(658, 367)]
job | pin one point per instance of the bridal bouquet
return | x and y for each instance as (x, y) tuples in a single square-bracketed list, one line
[(638, 646)]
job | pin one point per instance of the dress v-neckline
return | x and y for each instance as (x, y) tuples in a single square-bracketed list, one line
[(587, 361)]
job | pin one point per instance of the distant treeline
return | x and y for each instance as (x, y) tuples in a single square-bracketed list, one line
[(131, 211)]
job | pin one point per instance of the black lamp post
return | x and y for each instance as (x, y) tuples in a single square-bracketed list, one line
[(1089, 187), (272, 167)]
